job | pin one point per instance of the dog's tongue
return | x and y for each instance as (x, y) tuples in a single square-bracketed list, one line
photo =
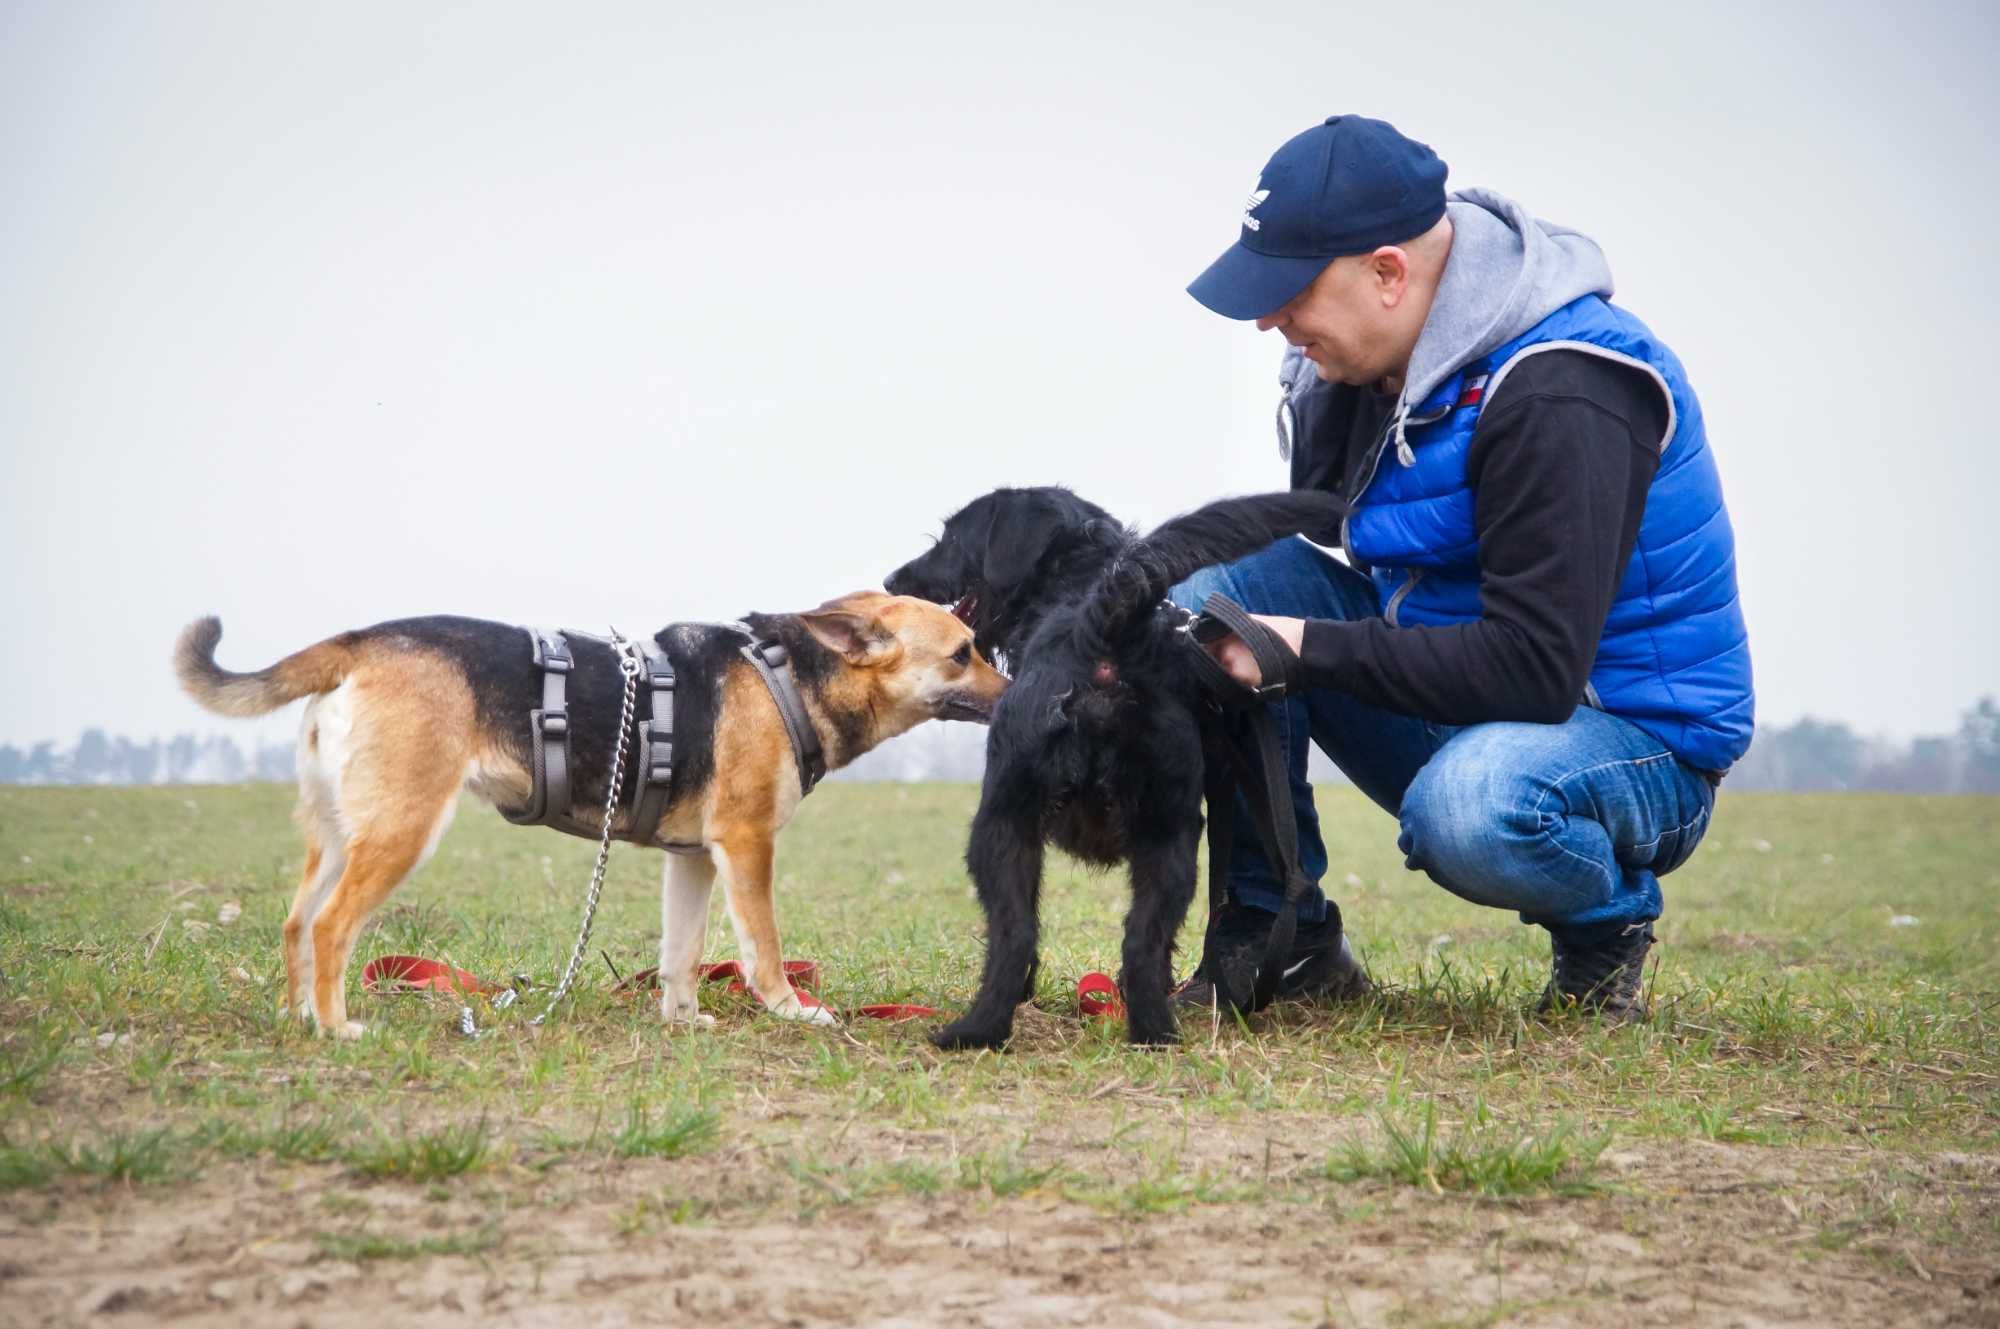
[(962, 611)]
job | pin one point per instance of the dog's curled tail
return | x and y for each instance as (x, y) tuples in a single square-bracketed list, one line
[(1219, 532), (318, 668)]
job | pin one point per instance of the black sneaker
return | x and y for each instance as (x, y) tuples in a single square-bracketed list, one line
[(1600, 971), (1321, 966)]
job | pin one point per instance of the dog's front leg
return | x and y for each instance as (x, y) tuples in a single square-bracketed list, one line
[(745, 862), (685, 885), (1005, 856), (1163, 873)]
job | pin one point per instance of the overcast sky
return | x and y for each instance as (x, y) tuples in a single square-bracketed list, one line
[(313, 316)]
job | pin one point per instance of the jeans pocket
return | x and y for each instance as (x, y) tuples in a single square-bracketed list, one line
[(1678, 845)]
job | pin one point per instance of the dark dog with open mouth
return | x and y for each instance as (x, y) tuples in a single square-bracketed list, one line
[(1100, 743)]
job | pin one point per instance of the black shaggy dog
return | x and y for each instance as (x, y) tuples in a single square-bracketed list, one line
[(1098, 745)]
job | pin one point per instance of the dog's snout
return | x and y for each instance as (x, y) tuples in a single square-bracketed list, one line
[(913, 580), (968, 706), (976, 698)]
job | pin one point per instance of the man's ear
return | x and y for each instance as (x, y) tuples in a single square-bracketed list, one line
[(858, 638), (1389, 267), (1021, 533)]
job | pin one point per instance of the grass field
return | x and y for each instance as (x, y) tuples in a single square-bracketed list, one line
[(1807, 1132)]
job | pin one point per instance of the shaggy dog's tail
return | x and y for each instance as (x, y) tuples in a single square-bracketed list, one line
[(316, 669), (1221, 532)]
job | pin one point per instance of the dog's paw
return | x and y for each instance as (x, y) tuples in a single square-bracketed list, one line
[(1163, 1036), (349, 1031), (791, 1008), (684, 1011), (961, 1035)]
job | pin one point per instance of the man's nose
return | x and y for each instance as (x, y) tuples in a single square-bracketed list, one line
[(1269, 321)]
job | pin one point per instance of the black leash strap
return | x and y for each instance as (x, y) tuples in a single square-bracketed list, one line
[(1219, 776), (1277, 665), (1261, 774)]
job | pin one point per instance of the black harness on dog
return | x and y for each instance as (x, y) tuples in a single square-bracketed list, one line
[(549, 804), (1250, 759)]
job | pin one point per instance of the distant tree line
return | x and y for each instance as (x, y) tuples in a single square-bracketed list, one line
[(99, 758), (1826, 754), (1805, 756)]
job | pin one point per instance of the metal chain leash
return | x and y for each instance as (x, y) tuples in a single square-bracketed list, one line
[(631, 661)]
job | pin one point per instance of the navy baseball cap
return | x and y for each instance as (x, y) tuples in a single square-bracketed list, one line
[(1348, 186)]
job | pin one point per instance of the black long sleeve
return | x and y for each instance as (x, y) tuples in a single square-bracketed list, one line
[(1560, 464)]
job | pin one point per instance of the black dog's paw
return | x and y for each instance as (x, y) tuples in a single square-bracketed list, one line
[(964, 1035), (1150, 1035)]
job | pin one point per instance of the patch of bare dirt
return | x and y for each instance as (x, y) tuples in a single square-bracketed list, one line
[(1694, 1235)]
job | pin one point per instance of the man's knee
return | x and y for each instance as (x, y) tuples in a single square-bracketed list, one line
[(1469, 811)]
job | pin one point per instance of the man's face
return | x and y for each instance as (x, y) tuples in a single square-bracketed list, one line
[(1350, 321)]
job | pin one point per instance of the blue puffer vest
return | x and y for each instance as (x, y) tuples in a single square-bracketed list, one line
[(1674, 658)]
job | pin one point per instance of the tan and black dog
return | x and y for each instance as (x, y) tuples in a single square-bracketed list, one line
[(403, 715)]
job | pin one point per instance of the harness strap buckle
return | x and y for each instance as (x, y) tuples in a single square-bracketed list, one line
[(656, 741), (659, 754), (552, 652)]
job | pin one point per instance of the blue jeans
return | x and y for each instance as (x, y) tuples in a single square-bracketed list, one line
[(1570, 825)]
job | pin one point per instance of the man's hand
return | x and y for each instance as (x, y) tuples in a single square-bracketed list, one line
[(1233, 655)]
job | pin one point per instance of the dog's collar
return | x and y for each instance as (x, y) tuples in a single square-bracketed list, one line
[(773, 663)]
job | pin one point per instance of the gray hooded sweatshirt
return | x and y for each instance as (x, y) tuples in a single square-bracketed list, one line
[(1506, 272)]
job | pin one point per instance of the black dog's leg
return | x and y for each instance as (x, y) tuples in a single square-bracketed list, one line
[(1163, 872), (1005, 856)]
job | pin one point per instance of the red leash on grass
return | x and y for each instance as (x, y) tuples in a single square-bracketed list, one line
[(390, 974), (1097, 997), (413, 973)]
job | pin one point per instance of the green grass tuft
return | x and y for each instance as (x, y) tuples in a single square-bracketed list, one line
[(677, 1132), (365, 1246), (23, 1165), (1004, 1173), (26, 1060), (288, 1140), (1477, 1159), (158, 1154), (423, 1156)]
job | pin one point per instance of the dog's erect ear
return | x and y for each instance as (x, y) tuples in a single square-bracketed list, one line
[(859, 638), (1021, 533)]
